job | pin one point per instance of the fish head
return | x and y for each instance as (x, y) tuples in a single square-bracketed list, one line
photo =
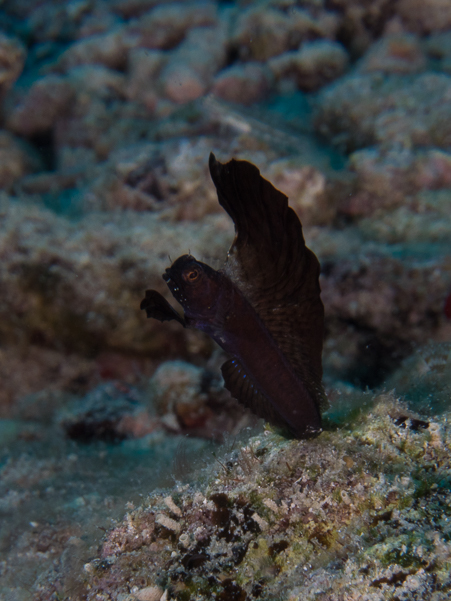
[(195, 285)]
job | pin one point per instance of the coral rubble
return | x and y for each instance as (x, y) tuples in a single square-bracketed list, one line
[(364, 509)]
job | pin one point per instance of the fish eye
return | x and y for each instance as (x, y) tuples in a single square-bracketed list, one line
[(191, 275)]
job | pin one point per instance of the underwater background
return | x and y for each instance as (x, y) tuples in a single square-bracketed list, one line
[(126, 469)]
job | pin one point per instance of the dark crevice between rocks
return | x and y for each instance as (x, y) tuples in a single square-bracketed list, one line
[(374, 21), (376, 360), (45, 146)]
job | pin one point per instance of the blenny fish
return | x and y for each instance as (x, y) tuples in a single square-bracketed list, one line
[(263, 308)]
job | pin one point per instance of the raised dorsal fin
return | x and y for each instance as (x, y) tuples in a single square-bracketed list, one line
[(272, 266)]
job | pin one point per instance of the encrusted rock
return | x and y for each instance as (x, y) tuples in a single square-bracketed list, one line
[(12, 60), (144, 68), (46, 100), (365, 480), (65, 268), (388, 179), (401, 54), (132, 8), (305, 186), (149, 593), (177, 389), (425, 377), (243, 84), (312, 66), (165, 26), (192, 66), (262, 32), (26, 372), (425, 17), (16, 160), (438, 48), (49, 21), (182, 83), (364, 109), (109, 49), (408, 297), (110, 412)]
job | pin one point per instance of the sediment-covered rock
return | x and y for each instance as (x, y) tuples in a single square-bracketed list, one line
[(36, 112), (243, 84), (388, 179), (365, 109), (61, 285), (165, 26), (192, 400), (109, 49), (17, 159), (190, 70), (262, 32), (272, 519), (312, 66), (421, 17), (12, 60), (401, 54)]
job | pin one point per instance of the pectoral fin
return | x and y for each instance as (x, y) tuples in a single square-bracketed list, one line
[(157, 306)]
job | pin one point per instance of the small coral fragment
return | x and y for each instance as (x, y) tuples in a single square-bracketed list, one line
[(271, 505), (167, 522), (172, 506), (260, 521), (149, 593)]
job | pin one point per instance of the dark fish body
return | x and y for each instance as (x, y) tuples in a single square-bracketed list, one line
[(248, 340), (264, 308)]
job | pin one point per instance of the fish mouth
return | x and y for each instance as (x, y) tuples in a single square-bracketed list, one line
[(168, 277), (174, 279), (171, 283)]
